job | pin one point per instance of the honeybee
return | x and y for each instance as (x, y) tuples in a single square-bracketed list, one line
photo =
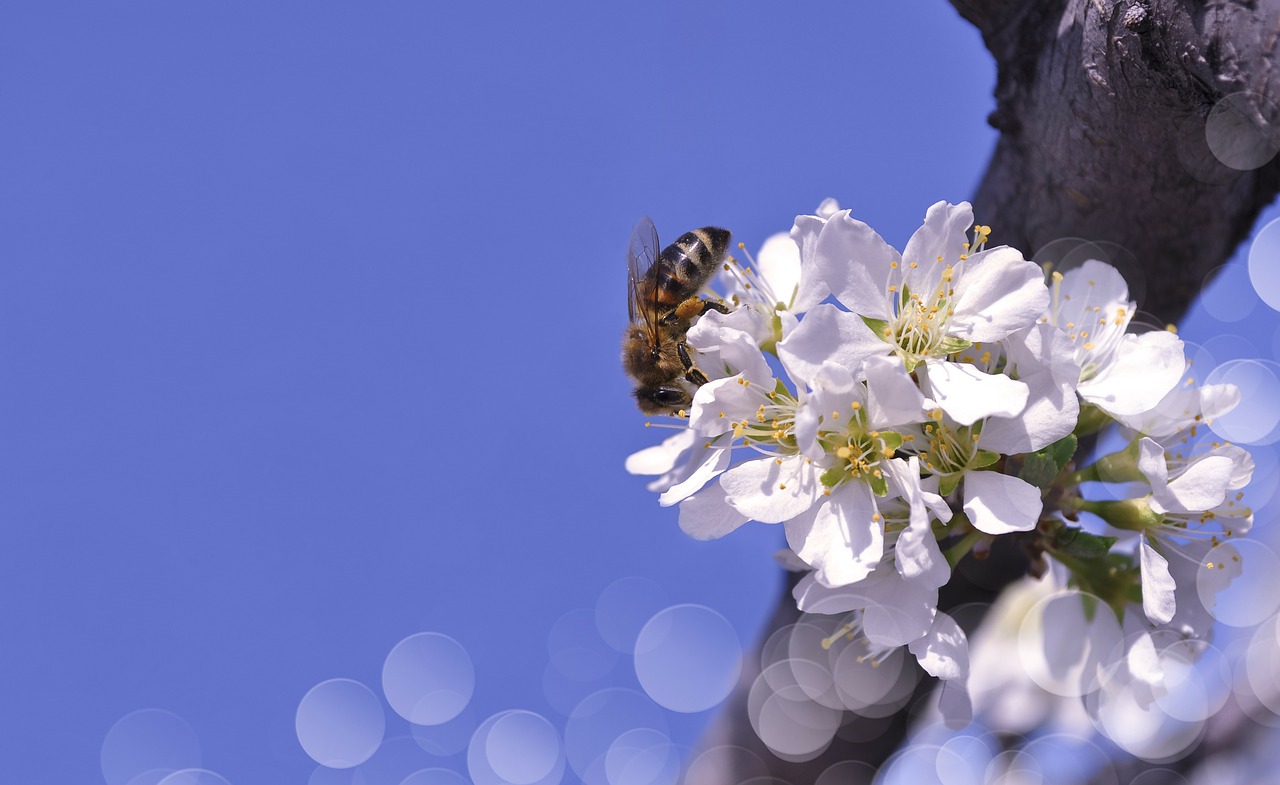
[(663, 301)]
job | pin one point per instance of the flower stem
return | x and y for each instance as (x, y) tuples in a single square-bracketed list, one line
[(957, 552)]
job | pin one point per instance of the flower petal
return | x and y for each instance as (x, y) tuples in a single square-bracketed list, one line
[(893, 398), (839, 538), (700, 470), (1144, 369), (828, 334), (968, 394), (660, 458), (707, 516), (772, 490), (996, 293), (999, 503), (1051, 413), (944, 651), (1157, 585), (853, 261), (942, 239)]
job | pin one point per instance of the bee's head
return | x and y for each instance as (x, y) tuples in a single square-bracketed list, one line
[(662, 398)]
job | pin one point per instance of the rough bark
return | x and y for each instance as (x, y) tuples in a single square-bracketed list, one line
[(1112, 120)]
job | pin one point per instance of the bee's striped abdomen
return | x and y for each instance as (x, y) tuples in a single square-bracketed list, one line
[(687, 264)]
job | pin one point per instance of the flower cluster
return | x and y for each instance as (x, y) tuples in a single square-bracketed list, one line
[(883, 406)]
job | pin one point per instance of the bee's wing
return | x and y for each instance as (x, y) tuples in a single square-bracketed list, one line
[(640, 257)]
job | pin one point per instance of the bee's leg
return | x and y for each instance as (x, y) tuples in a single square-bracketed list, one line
[(691, 309), (690, 372)]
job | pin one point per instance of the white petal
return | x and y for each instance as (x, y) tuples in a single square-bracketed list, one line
[(854, 262), (955, 705), (916, 554), (828, 334), (1042, 347), (813, 597), (701, 469), (772, 490), (1144, 369), (942, 237), (1152, 464), (1051, 413), (1201, 486), (1143, 660), (725, 350), (1157, 585), (997, 292), (893, 399), (838, 537), (968, 394), (779, 265), (944, 651), (661, 458), (898, 611), (707, 516), (828, 208), (999, 503)]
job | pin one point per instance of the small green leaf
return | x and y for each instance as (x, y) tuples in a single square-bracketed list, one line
[(892, 440), (879, 486), (1080, 544), (1062, 451), (832, 477), (1042, 467), (953, 345), (948, 482), (983, 459), (1038, 470), (878, 326)]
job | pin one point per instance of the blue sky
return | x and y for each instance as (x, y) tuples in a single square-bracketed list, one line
[(309, 321)]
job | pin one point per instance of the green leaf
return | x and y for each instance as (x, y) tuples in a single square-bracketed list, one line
[(1062, 451), (1080, 544), (983, 459), (1041, 468), (832, 477), (953, 345), (879, 486), (1038, 470), (878, 326), (892, 440), (948, 482)]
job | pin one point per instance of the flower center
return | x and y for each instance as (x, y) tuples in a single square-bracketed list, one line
[(949, 451), (858, 450)]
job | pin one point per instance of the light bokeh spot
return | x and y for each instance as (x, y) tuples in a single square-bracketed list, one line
[(340, 723), (598, 721), (524, 748), (642, 756), (624, 607), (428, 678), (146, 745), (434, 776), (1256, 420), (1264, 264), (688, 658), (1241, 131), (194, 777), (1239, 582)]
